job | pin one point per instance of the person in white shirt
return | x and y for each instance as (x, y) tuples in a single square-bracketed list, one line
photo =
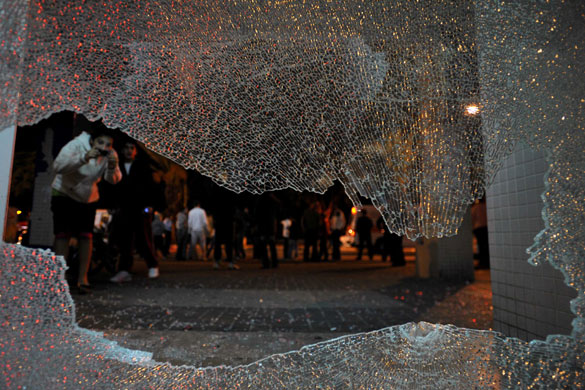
[(198, 229), (79, 166)]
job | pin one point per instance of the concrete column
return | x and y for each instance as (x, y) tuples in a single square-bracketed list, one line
[(448, 258), (530, 302), (7, 140)]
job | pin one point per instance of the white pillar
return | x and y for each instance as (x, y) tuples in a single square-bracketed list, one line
[(7, 140)]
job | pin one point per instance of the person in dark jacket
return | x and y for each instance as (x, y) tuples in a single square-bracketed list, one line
[(391, 245), (364, 231), (133, 217)]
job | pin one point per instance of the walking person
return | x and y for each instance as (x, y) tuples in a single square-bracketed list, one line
[(132, 220), (182, 229), (198, 229), (79, 166)]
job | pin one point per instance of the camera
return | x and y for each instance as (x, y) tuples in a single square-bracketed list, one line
[(104, 152)]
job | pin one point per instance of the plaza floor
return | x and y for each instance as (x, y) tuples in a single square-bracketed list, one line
[(196, 315)]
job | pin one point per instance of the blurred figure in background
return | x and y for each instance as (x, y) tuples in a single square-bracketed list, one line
[(364, 231), (240, 228), (266, 219), (158, 231), (167, 234), (182, 233), (337, 223), (480, 230), (310, 225), (79, 166), (198, 230), (391, 244), (286, 224)]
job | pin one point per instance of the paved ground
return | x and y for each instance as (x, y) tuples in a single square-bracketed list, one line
[(199, 316)]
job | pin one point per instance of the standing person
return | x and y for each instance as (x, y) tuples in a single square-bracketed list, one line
[(133, 217), (295, 234), (158, 232), (286, 224), (198, 229), (364, 231), (168, 234), (210, 236), (239, 233), (310, 225), (182, 229), (79, 166), (323, 232), (480, 230), (337, 223), (266, 212), (391, 245), (224, 227)]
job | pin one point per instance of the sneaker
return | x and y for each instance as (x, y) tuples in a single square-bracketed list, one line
[(233, 266), (216, 265), (153, 273), (121, 277)]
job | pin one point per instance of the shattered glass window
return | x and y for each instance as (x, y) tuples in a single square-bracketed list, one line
[(413, 105)]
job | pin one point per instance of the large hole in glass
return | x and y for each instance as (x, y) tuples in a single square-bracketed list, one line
[(197, 315)]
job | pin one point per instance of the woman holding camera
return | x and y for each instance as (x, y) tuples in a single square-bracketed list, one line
[(79, 166)]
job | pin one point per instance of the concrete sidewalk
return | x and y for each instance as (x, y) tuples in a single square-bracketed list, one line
[(199, 316)]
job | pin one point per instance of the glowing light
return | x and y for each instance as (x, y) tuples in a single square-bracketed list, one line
[(472, 109), (353, 211), (19, 212)]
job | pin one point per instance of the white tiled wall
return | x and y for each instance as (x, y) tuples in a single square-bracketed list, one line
[(529, 302)]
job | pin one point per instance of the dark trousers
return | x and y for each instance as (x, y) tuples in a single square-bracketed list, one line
[(268, 241), (323, 252), (392, 246), (286, 244), (239, 245), (365, 240), (182, 241), (336, 244), (311, 242), (133, 229), (225, 239)]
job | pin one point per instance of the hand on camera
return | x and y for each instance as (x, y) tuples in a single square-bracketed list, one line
[(112, 160), (92, 153)]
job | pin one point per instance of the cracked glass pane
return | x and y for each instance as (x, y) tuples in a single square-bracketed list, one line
[(413, 105)]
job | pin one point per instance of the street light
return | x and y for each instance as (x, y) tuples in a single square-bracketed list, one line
[(472, 109)]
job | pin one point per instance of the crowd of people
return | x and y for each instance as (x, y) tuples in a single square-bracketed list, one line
[(218, 234)]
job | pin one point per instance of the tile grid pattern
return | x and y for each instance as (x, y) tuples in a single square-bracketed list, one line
[(529, 302)]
